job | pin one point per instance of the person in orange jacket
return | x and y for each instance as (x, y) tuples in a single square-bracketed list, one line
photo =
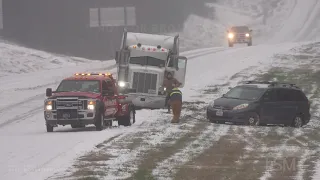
[(176, 103), (168, 84)]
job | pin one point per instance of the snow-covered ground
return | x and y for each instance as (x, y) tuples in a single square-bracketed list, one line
[(28, 152)]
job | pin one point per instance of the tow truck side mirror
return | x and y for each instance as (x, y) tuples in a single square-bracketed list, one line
[(48, 92)]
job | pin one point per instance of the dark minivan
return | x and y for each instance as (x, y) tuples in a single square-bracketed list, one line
[(261, 103)]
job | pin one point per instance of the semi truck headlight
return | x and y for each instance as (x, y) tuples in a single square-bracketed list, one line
[(230, 35), (247, 35), (48, 106), (91, 105), (122, 84)]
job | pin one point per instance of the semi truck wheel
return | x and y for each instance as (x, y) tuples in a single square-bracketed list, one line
[(250, 43), (230, 44)]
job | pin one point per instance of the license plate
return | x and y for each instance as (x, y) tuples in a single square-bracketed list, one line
[(219, 113), (142, 99)]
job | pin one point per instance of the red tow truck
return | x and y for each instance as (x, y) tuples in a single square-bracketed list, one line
[(87, 98)]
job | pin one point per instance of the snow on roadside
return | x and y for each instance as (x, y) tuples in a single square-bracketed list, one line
[(195, 148), (20, 60), (159, 132)]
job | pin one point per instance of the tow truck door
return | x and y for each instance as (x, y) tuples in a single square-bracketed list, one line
[(109, 99), (181, 69)]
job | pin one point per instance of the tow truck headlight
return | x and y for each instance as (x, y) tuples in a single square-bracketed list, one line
[(241, 106), (48, 106), (122, 84), (230, 35), (91, 105), (247, 35)]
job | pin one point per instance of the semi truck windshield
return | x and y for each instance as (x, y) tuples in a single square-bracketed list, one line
[(147, 61)]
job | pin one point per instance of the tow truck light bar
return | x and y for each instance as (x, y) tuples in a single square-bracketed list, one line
[(93, 74)]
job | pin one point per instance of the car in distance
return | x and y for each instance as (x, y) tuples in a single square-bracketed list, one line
[(261, 103), (239, 35)]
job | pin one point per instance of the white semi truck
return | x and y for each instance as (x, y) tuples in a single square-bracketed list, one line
[(143, 62)]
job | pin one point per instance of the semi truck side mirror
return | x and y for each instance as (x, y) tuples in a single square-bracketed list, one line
[(116, 56), (48, 92)]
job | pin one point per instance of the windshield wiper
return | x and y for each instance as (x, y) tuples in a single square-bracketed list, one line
[(232, 97)]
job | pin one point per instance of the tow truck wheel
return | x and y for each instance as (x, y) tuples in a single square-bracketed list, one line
[(99, 122), (128, 120), (108, 123), (49, 128), (77, 126)]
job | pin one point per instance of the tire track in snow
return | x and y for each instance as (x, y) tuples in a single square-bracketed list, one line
[(22, 116), (168, 167)]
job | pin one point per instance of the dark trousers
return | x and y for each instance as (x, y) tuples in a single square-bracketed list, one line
[(167, 104)]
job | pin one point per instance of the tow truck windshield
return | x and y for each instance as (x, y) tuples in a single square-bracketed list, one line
[(147, 61), (79, 86)]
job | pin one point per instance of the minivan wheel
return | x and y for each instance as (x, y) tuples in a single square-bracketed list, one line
[(297, 122), (253, 119)]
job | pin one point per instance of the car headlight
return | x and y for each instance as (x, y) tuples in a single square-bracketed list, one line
[(211, 104), (230, 35), (247, 35), (91, 105), (122, 84), (164, 89), (241, 106), (48, 106)]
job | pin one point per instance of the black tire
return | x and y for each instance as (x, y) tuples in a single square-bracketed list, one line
[(250, 43), (230, 44), (297, 121), (49, 128), (77, 126), (109, 123), (129, 119), (253, 119), (221, 122), (99, 122)]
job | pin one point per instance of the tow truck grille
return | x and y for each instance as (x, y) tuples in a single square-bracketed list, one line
[(69, 103), (145, 82), (67, 114)]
